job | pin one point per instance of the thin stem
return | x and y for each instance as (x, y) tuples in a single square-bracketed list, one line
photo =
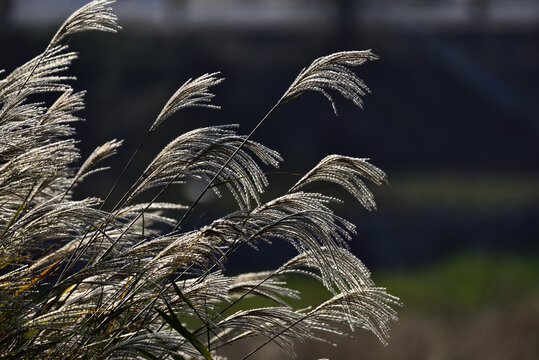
[(123, 172), (34, 69)]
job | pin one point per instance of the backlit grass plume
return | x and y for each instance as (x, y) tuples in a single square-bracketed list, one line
[(79, 281)]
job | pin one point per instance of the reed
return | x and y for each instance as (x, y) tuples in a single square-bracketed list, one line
[(114, 284)]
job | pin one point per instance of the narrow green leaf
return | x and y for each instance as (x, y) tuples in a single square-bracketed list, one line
[(173, 321), (183, 297), (177, 357), (16, 215), (142, 226), (147, 355), (190, 304)]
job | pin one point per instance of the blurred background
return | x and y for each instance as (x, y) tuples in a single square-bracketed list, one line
[(453, 119)]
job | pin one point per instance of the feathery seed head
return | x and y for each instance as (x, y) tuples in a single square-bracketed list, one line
[(331, 73), (95, 15), (193, 93)]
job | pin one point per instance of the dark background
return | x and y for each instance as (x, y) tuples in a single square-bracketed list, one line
[(453, 117)]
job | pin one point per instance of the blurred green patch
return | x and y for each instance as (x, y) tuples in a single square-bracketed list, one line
[(465, 281)]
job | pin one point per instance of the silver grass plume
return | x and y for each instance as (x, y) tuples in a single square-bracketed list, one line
[(346, 172), (331, 73), (350, 275), (371, 309), (99, 154), (61, 111), (200, 154), (193, 93), (301, 218), (280, 324), (38, 75), (95, 15)]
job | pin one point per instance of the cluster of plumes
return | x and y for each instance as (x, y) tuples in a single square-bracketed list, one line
[(77, 281)]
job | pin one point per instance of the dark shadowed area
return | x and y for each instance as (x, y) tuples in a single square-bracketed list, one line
[(453, 119)]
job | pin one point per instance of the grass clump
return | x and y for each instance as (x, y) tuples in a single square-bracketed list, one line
[(79, 281)]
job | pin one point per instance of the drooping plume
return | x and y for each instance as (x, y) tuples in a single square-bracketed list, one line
[(331, 72), (95, 15), (191, 93), (346, 172)]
